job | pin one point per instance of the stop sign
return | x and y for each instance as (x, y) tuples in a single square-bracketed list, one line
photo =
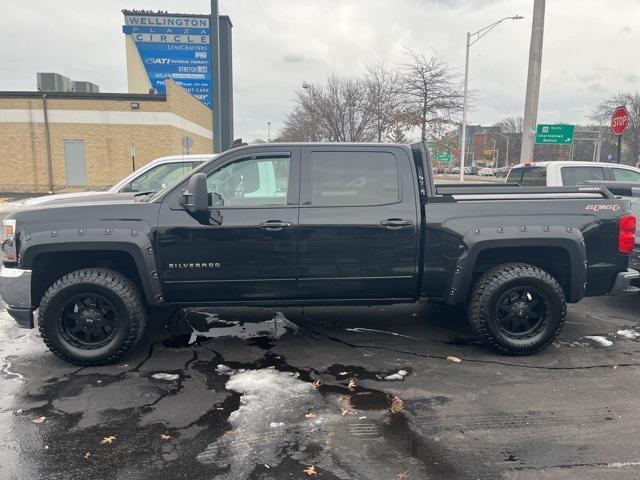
[(619, 120)]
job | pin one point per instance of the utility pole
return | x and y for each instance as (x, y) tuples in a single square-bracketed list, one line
[(268, 132), (214, 43), (533, 82)]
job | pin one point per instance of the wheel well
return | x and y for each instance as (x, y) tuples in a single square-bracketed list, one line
[(554, 260), (48, 267)]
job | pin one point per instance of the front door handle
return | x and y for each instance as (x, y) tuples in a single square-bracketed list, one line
[(396, 223), (275, 225)]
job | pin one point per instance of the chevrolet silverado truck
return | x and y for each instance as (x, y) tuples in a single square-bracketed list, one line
[(315, 224)]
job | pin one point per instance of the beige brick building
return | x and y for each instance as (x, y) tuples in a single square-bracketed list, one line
[(91, 135)]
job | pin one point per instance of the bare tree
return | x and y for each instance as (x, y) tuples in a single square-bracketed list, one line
[(339, 111), (632, 135), (431, 94), (384, 100), (511, 127)]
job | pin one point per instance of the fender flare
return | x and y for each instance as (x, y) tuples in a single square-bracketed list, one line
[(127, 240), (480, 240)]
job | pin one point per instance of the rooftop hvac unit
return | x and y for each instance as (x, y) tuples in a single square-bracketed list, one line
[(85, 87), (53, 82)]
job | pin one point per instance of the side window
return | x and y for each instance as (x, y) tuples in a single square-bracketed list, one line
[(572, 176), (160, 177), (353, 178), (624, 175), (252, 182)]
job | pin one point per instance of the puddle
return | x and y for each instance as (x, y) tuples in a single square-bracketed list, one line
[(206, 323), (344, 372)]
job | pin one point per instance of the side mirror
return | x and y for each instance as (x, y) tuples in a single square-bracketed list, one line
[(195, 199)]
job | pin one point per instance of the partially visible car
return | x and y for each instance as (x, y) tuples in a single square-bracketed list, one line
[(455, 170), (152, 177), (502, 172), (570, 174), (485, 172)]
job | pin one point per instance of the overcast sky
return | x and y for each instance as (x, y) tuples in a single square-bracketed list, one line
[(590, 48)]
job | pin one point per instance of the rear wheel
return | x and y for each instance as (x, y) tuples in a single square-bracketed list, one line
[(92, 316), (517, 309)]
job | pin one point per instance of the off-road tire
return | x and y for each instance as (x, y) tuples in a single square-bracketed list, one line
[(115, 287), (482, 310)]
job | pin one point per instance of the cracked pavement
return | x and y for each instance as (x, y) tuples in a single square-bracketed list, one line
[(264, 394)]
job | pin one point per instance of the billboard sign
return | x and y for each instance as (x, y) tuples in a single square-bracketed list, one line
[(176, 47)]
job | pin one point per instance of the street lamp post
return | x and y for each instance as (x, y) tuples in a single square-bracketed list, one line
[(477, 36)]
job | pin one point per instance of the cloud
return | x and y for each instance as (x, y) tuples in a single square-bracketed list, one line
[(278, 44), (297, 58)]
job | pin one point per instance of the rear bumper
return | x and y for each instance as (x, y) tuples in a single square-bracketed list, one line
[(624, 283), (15, 290)]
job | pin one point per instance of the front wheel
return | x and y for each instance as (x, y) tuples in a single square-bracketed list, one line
[(517, 309), (92, 316)]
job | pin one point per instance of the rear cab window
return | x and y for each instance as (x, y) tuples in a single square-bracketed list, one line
[(572, 176), (625, 175), (352, 179), (528, 176)]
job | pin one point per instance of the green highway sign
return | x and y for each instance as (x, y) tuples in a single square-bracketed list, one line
[(443, 157), (559, 134)]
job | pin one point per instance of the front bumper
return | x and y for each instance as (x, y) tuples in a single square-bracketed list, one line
[(624, 284), (15, 290)]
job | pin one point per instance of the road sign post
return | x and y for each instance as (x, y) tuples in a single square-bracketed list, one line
[(619, 123), (559, 134)]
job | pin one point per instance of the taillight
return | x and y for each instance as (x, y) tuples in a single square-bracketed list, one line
[(626, 234)]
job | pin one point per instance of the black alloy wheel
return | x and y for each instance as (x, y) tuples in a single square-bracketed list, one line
[(520, 312), (89, 321)]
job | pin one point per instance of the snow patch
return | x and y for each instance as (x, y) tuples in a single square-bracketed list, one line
[(169, 377), (399, 375), (631, 334), (600, 340)]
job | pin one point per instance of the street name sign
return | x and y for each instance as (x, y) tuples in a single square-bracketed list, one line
[(559, 134)]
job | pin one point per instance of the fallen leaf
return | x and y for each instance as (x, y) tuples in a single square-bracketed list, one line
[(39, 419), (453, 359), (87, 455), (346, 411), (166, 436), (317, 383), (343, 373), (107, 440), (352, 384), (397, 404), (309, 415), (403, 476), (311, 471)]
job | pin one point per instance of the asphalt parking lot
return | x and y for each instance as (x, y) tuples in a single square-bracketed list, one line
[(355, 393)]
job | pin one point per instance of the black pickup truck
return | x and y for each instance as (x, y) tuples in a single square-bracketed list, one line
[(315, 224)]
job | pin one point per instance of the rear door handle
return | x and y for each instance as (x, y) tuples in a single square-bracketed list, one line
[(275, 225), (396, 223)]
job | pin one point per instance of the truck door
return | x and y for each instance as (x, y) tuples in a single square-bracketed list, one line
[(358, 231), (251, 255)]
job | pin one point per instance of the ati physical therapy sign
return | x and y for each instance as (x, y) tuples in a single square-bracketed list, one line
[(175, 47)]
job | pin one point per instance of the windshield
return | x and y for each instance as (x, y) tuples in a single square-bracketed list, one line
[(159, 177)]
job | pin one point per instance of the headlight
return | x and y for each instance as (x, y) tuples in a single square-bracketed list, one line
[(8, 239)]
